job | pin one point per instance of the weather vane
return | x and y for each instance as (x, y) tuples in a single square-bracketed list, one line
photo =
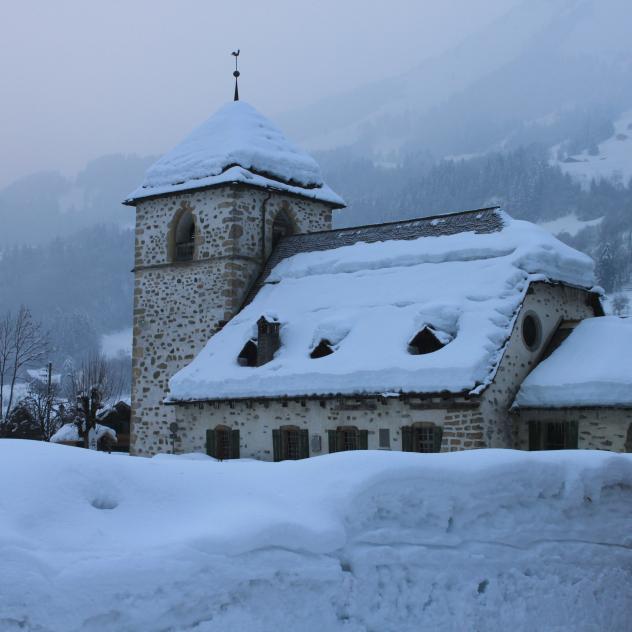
[(235, 54)]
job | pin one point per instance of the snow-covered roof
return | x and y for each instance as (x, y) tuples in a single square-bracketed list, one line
[(236, 144), (370, 299), (592, 367), (70, 432)]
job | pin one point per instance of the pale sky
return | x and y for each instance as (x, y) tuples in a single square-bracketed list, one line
[(82, 78)]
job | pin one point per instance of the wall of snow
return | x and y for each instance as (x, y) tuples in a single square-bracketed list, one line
[(481, 540)]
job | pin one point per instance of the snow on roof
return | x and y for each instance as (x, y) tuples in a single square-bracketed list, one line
[(592, 367), (236, 144), (368, 300), (70, 432)]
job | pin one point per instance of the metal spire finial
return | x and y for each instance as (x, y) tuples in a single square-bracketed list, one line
[(236, 74)]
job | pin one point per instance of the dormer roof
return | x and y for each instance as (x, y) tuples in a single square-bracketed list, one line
[(236, 145)]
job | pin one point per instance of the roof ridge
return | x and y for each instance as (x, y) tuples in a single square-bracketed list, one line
[(398, 221)]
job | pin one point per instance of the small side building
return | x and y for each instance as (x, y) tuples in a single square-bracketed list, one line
[(580, 396)]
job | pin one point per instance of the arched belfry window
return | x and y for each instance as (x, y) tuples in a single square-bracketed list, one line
[(281, 227), (184, 237)]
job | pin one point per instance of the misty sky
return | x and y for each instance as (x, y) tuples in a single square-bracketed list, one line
[(81, 79)]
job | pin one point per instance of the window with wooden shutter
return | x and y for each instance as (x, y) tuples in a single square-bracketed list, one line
[(385, 438), (210, 442), (422, 437), (407, 439), (553, 435), (222, 442), (332, 436), (348, 438), (234, 444), (276, 445), (304, 444), (438, 437), (290, 443), (535, 435), (363, 440)]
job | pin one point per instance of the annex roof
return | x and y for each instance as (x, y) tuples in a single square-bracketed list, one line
[(591, 368), (369, 291), (236, 145)]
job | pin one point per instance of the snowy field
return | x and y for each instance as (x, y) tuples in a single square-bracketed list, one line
[(357, 541), (117, 344), (613, 160)]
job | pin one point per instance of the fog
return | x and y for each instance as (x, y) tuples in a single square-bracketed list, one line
[(82, 79)]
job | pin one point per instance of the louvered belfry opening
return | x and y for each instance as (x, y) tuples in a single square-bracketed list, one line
[(425, 341), (281, 227), (185, 237)]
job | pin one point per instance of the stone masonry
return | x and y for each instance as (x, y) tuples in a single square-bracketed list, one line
[(467, 422), (178, 306)]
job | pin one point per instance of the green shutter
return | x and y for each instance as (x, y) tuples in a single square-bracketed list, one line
[(333, 437), (437, 435), (535, 435), (210, 442), (407, 438), (363, 443), (276, 445), (572, 435), (234, 444), (304, 443)]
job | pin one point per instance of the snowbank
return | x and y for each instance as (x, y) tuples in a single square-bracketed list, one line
[(480, 540), (69, 432), (370, 299), (236, 144), (592, 367)]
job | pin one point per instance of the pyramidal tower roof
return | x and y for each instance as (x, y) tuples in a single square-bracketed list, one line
[(236, 145)]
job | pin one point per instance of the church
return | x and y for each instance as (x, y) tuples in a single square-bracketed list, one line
[(260, 331)]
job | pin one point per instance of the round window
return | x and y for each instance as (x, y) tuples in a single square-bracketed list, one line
[(531, 331)]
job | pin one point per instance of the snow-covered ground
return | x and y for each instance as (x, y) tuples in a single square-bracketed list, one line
[(569, 224), (480, 540), (117, 343), (613, 161)]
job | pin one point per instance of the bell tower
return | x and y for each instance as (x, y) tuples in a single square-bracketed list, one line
[(208, 215)]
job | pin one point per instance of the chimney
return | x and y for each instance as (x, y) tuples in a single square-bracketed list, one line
[(268, 340)]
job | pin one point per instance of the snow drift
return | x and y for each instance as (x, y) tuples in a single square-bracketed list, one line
[(480, 540)]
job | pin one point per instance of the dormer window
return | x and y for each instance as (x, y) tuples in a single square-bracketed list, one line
[(426, 341), (248, 355), (322, 349)]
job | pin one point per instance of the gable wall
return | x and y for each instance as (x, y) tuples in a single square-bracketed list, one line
[(178, 306), (552, 303)]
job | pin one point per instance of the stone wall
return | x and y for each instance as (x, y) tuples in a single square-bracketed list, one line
[(552, 303), (179, 306), (256, 419), (599, 428)]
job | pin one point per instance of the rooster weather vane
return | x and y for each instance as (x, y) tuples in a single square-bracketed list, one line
[(235, 54)]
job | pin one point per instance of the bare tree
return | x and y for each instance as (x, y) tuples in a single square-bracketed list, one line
[(28, 344), (90, 386), (5, 352)]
